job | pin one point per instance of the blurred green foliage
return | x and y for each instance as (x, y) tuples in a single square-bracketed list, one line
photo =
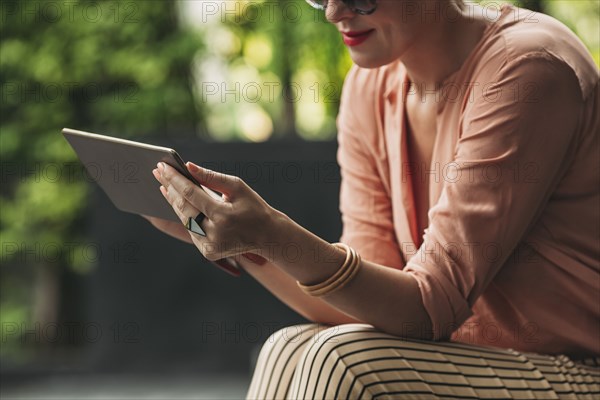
[(583, 17), (119, 67), (136, 68), (282, 57)]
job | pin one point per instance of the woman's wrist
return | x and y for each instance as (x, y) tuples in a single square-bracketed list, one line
[(275, 230), (298, 252)]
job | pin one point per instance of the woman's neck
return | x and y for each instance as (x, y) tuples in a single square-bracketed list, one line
[(445, 47)]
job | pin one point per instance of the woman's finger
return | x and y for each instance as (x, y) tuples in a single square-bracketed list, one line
[(186, 189), (182, 208), (227, 184), (209, 248)]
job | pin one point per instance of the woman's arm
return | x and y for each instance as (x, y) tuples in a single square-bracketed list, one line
[(278, 282), (384, 297), (284, 287), (242, 222), (273, 279)]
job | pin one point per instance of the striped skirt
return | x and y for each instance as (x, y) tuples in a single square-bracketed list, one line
[(355, 361)]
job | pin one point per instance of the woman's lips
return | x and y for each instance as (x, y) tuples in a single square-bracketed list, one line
[(354, 38)]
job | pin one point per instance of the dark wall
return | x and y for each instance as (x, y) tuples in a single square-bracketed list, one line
[(161, 307)]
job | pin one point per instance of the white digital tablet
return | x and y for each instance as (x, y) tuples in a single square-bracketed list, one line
[(123, 169)]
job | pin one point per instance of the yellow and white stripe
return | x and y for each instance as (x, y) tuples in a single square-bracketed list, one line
[(355, 361)]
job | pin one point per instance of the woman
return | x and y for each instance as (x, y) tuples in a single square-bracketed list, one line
[(468, 145)]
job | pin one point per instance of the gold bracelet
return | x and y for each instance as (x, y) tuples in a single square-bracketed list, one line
[(340, 283), (344, 275), (339, 276), (347, 276), (335, 276)]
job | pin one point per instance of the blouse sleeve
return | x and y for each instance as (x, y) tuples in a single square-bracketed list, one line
[(517, 133), (365, 203)]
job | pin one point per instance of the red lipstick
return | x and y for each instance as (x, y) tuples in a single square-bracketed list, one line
[(354, 38)]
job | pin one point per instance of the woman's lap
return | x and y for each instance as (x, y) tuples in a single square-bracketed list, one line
[(355, 361)]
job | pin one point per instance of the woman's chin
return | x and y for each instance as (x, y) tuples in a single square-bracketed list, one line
[(369, 61)]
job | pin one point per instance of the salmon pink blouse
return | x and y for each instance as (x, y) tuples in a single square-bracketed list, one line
[(510, 257)]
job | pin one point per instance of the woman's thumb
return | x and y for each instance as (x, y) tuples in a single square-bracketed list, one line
[(211, 179)]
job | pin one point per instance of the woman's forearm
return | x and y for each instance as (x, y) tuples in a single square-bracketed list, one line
[(386, 298), (284, 287)]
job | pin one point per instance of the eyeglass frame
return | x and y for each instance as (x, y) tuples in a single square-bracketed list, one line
[(313, 4)]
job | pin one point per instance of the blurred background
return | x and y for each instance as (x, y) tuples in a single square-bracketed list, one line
[(95, 303)]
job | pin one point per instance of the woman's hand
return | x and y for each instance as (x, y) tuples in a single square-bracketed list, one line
[(171, 228), (238, 222)]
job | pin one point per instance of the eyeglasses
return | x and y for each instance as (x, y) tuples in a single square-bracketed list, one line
[(362, 7)]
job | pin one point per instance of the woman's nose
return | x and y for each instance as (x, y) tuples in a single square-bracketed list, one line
[(337, 11)]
